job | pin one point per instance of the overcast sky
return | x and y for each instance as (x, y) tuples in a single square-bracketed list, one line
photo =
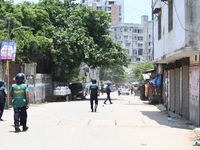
[(133, 9)]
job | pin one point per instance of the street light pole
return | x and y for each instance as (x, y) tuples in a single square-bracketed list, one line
[(7, 61)]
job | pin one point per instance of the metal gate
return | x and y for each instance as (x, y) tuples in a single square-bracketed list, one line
[(177, 90), (185, 88), (172, 90)]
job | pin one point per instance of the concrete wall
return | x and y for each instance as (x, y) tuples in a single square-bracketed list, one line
[(40, 85), (174, 40)]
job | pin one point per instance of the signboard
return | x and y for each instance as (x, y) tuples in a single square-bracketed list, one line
[(8, 50)]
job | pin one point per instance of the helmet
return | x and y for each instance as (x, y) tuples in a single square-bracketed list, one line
[(19, 78), (94, 81), (108, 83), (1, 82)]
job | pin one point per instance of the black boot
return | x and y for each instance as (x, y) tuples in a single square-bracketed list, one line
[(25, 128), (17, 129)]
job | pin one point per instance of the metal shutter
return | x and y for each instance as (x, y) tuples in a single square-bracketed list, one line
[(185, 88), (172, 90), (177, 90)]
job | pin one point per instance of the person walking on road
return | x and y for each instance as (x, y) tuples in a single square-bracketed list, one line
[(20, 101), (119, 90), (94, 93), (108, 90), (3, 95)]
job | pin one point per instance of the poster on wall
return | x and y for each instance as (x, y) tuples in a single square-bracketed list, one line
[(8, 50)]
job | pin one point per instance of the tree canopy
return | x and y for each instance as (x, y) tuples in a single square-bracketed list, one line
[(62, 34), (140, 68)]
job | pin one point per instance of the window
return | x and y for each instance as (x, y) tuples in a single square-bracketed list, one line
[(170, 15), (134, 30), (134, 52), (149, 50), (99, 8), (159, 26), (125, 29), (137, 59), (125, 37), (149, 36), (140, 52), (140, 38), (128, 45), (140, 31), (140, 45), (149, 43)]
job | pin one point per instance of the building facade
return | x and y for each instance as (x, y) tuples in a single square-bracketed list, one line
[(177, 54), (113, 7), (136, 38)]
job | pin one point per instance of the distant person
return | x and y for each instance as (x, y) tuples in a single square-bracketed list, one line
[(108, 90), (132, 90), (3, 95), (94, 93), (102, 89), (20, 101), (119, 91)]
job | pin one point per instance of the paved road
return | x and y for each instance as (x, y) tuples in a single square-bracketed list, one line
[(128, 124)]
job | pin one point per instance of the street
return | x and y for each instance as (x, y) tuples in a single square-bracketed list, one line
[(127, 124)]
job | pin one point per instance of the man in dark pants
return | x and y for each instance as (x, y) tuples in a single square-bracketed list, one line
[(108, 90), (20, 102), (3, 95), (94, 93)]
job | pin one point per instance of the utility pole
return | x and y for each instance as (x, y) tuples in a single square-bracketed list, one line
[(6, 66)]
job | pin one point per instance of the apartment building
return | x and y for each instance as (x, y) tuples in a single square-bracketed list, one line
[(113, 7), (136, 38), (177, 55)]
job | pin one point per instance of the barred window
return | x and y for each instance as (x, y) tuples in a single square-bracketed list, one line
[(159, 26), (170, 15)]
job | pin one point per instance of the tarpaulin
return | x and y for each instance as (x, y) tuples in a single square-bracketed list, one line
[(157, 82)]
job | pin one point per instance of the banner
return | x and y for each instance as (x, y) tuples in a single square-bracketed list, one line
[(8, 50)]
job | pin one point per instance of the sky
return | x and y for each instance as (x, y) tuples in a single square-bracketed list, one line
[(133, 9)]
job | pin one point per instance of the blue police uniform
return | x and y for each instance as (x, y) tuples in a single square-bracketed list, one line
[(3, 92), (94, 96)]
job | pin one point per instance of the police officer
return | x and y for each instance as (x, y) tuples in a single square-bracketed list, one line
[(20, 102), (3, 95), (94, 93)]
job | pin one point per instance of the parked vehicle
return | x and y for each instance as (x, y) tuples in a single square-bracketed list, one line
[(77, 90), (125, 91)]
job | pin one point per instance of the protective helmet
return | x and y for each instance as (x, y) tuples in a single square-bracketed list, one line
[(19, 78), (94, 81), (1, 82), (108, 83)]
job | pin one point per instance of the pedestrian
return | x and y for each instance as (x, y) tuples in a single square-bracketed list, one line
[(119, 90), (108, 90), (3, 95), (102, 88), (94, 93), (132, 90), (20, 101)]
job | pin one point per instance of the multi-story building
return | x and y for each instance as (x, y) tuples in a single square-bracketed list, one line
[(177, 55), (113, 7), (136, 38)]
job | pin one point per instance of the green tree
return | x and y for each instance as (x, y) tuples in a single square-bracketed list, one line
[(63, 34), (140, 68), (116, 74)]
